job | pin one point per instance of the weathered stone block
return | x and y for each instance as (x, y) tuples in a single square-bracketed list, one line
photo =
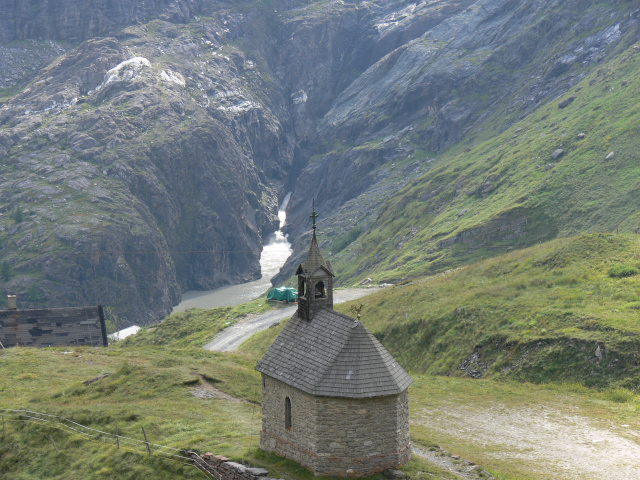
[(331, 436)]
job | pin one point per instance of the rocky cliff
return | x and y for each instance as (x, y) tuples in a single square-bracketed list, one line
[(145, 144), (458, 75), (135, 167)]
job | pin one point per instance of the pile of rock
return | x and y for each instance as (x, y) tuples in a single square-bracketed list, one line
[(221, 467)]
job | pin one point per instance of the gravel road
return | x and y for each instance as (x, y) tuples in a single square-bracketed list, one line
[(547, 442), (232, 337)]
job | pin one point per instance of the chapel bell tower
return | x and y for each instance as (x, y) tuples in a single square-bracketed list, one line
[(315, 280)]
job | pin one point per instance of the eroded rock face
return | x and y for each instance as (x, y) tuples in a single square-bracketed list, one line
[(440, 70), (77, 20), (140, 177), (148, 142)]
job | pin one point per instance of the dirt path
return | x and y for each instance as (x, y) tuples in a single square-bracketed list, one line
[(544, 441), (232, 337), (207, 390)]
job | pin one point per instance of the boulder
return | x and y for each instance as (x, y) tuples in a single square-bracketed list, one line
[(258, 472), (394, 474), (557, 154), (566, 102)]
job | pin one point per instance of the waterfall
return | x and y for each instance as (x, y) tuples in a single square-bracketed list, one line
[(274, 253)]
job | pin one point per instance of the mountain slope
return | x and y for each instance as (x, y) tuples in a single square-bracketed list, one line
[(144, 166), (147, 153), (510, 191), (439, 110), (561, 311)]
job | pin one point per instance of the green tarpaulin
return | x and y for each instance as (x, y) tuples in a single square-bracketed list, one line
[(283, 294)]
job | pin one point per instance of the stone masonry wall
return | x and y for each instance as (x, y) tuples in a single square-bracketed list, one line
[(336, 436), (301, 435), (362, 435)]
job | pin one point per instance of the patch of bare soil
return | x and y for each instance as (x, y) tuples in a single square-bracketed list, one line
[(206, 390), (546, 441)]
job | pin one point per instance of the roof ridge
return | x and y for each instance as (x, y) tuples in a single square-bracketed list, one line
[(381, 351), (335, 356)]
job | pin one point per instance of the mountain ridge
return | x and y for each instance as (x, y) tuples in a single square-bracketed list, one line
[(151, 159)]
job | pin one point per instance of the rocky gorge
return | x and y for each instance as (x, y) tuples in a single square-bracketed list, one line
[(145, 145)]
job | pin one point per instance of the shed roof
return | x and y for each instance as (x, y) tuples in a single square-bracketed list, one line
[(333, 355)]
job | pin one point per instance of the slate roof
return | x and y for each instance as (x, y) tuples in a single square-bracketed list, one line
[(333, 355), (314, 260)]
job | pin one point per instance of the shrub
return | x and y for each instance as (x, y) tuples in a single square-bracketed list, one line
[(620, 395), (34, 295), (619, 271), (346, 240), (5, 271), (18, 215)]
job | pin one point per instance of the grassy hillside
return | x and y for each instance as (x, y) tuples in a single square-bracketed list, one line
[(505, 189), (537, 314), (161, 379), (195, 327)]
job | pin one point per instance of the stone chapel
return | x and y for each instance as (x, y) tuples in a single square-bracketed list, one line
[(333, 398)]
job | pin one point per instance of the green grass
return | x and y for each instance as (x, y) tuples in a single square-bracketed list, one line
[(527, 315), (418, 230), (151, 387), (195, 326), (535, 315), (148, 388)]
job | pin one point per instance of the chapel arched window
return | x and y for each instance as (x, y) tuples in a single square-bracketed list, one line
[(287, 413)]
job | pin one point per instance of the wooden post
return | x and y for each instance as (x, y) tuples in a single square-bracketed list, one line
[(54, 443), (117, 438), (146, 441)]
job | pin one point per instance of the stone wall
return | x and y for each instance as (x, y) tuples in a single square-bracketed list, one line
[(308, 306), (362, 435), (301, 435), (336, 436), (221, 467), (53, 327)]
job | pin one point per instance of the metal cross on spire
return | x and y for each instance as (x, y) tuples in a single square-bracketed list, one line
[(314, 215)]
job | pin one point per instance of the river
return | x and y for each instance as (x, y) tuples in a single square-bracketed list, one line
[(273, 256)]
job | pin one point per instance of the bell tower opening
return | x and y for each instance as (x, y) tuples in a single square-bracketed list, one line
[(301, 287)]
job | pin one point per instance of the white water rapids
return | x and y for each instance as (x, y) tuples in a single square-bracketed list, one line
[(273, 256)]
